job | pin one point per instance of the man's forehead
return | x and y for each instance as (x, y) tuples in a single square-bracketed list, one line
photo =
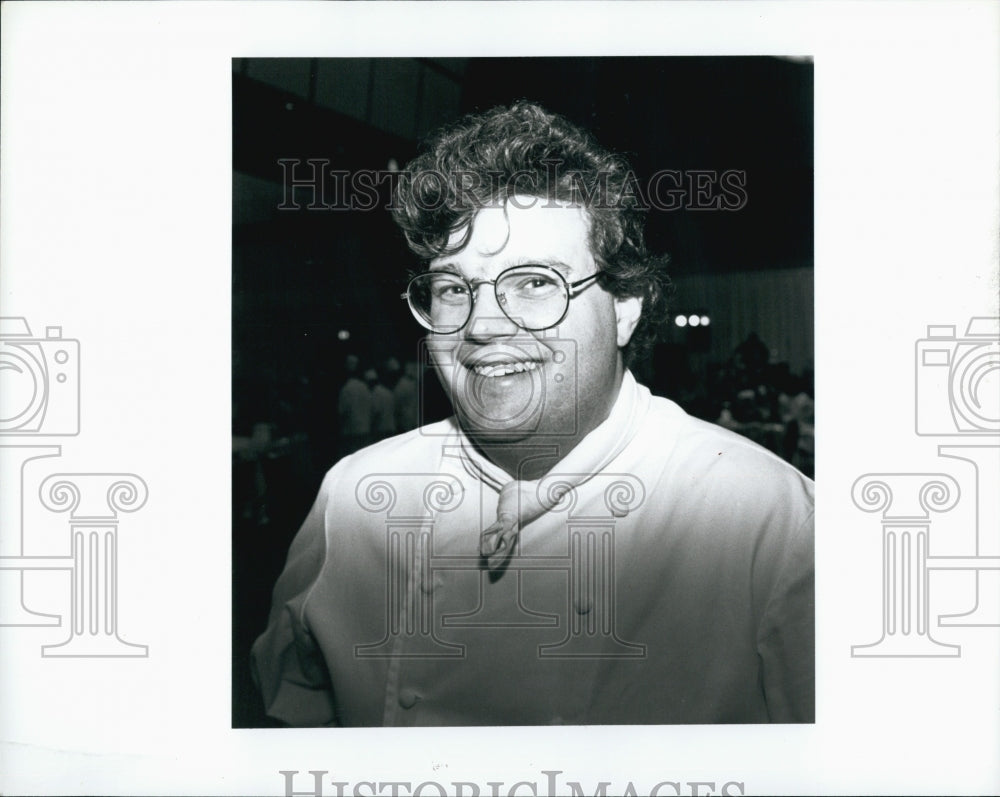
[(524, 228)]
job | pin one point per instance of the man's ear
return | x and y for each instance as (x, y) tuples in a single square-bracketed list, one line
[(627, 311)]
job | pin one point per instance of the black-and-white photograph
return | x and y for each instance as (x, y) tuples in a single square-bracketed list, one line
[(453, 366), (523, 426)]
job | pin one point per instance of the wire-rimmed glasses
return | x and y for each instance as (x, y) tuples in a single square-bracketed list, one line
[(535, 297)]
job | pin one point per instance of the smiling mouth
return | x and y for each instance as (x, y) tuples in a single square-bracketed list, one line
[(491, 370)]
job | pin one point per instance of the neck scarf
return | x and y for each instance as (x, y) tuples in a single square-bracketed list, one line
[(520, 501)]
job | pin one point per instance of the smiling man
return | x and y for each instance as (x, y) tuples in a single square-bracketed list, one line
[(567, 548), (524, 265)]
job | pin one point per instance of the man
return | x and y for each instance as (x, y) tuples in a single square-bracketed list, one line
[(567, 548), (405, 397), (383, 423), (354, 409)]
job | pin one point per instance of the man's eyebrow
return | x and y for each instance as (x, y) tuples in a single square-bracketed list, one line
[(559, 265), (450, 267)]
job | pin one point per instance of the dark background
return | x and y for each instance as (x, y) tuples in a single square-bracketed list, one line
[(312, 285)]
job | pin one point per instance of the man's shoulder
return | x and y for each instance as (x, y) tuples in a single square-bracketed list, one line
[(355, 387), (405, 385), (719, 484), (417, 449), (389, 469), (701, 449)]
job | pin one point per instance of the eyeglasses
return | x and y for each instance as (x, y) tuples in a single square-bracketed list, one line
[(533, 297)]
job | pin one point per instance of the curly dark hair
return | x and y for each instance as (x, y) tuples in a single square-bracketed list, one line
[(483, 159)]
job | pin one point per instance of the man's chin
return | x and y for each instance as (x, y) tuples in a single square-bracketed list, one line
[(500, 407), (494, 433)]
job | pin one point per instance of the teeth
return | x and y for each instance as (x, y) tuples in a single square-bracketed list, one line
[(504, 369)]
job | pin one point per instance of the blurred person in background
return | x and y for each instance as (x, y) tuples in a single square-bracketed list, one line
[(405, 397), (354, 409), (383, 404)]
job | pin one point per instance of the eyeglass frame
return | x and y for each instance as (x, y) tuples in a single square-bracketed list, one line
[(573, 289)]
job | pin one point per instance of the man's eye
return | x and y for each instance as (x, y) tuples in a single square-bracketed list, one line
[(450, 290), (536, 284)]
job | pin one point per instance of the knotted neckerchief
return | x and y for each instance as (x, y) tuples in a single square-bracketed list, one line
[(520, 502)]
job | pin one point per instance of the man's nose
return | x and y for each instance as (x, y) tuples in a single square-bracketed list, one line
[(488, 320)]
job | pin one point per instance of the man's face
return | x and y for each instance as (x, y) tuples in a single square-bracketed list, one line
[(550, 387)]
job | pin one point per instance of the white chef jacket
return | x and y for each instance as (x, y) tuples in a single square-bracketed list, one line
[(676, 586)]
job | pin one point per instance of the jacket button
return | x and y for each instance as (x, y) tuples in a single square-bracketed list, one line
[(408, 698)]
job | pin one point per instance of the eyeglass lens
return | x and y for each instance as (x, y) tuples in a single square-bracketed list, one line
[(533, 297)]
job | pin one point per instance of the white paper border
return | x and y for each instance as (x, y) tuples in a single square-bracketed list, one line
[(114, 211)]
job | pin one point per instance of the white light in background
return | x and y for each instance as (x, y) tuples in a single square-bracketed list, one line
[(343, 335), (705, 320), (694, 320), (681, 321)]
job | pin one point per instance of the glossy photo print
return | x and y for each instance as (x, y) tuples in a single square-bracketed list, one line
[(533, 338), (499, 398)]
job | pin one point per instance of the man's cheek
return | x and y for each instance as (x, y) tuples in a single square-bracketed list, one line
[(442, 359), (446, 376)]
